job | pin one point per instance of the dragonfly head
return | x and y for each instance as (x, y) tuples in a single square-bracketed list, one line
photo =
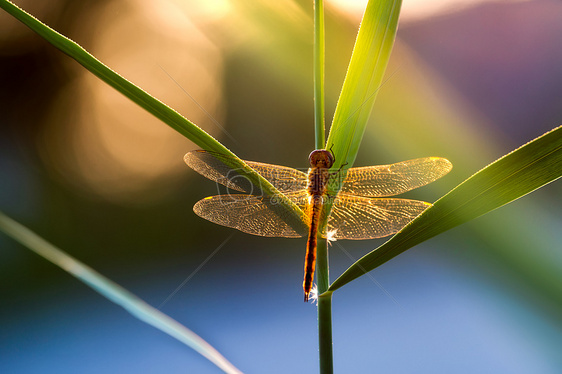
[(321, 158)]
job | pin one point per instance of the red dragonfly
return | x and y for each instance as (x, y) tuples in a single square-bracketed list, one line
[(361, 210)]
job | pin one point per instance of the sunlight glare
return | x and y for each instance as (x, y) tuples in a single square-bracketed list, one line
[(412, 9), (313, 297), (331, 236), (205, 11)]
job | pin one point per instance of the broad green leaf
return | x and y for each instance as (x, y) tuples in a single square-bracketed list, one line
[(516, 174), (113, 292), (363, 79)]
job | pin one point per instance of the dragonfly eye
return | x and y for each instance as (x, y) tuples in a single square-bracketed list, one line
[(321, 158)]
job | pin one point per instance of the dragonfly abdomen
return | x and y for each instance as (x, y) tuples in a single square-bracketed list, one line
[(320, 163), (315, 208)]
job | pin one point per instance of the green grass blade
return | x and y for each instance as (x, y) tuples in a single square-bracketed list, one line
[(516, 174), (154, 106), (363, 79), (113, 292)]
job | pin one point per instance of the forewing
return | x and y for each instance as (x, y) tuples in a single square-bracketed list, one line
[(284, 178), (389, 180), (358, 218), (214, 166), (257, 215)]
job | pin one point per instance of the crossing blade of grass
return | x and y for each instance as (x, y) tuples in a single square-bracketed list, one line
[(363, 79), (154, 106), (113, 292), (516, 174)]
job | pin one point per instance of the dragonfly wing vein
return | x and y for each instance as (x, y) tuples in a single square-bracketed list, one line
[(359, 218), (215, 166), (284, 178), (257, 215), (389, 180)]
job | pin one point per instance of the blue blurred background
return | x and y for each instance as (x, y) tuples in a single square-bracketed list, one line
[(97, 176)]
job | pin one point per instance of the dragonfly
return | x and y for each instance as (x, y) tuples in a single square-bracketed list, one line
[(362, 209)]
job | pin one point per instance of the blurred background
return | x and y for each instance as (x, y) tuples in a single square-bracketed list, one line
[(100, 178)]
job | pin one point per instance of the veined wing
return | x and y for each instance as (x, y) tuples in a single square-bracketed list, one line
[(214, 166), (389, 180), (359, 218), (257, 215)]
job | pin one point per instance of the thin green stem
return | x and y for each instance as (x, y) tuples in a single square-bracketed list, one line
[(324, 309), (319, 62), (322, 265), (325, 333), (322, 268)]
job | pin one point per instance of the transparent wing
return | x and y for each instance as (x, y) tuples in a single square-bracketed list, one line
[(255, 215), (214, 166), (389, 180), (284, 178), (356, 217)]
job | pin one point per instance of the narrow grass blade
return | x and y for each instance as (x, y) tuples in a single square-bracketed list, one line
[(154, 106), (516, 174), (114, 292), (363, 79)]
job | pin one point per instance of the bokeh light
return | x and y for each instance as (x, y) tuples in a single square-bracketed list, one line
[(414, 9), (96, 138)]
